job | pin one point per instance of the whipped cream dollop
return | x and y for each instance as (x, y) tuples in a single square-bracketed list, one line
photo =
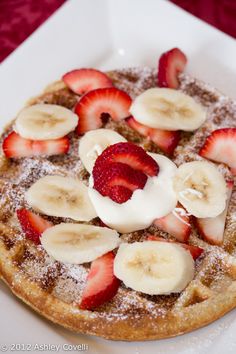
[(156, 200)]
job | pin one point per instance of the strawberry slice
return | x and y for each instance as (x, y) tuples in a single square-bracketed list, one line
[(176, 223), (171, 64), (166, 140), (220, 146), (110, 175), (140, 128), (93, 105), (32, 224), (83, 80), (16, 146), (212, 229), (120, 194), (130, 154), (102, 285), (194, 250)]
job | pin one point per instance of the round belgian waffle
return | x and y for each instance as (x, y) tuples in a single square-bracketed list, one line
[(54, 289)]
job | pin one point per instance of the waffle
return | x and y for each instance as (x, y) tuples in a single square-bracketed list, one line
[(54, 289)]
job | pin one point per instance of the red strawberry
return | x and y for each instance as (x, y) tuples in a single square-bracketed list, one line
[(140, 128), (16, 146), (32, 224), (171, 63), (220, 146), (102, 285), (177, 224), (212, 229), (164, 139), (194, 250), (120, 194), (130, 154), (92, 105), (107, 176), (83, 80)]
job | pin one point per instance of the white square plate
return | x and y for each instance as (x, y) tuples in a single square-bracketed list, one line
[(108, 34)]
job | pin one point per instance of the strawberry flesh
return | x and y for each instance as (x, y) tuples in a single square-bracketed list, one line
[(130, 154), (166, 140), (32, 224), (120, 194), (171, 64), (108, 175), (102, 285), (93, 105), (220, 146), (83, 80), (194, 250), (14, 146), (177, 226)]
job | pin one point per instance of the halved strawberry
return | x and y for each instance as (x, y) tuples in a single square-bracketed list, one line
[(109, 175), (120, 194), (92, 105), (220, 146), (16, 146), (140, 128), (83, 80), (164, 139), (32, 224), (176, 223), (194, 250), (212, 229), (102, 285), (130, 154), (171, 64)]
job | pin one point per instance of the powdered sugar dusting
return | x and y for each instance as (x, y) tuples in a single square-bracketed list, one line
[(135, 80), (71, 283), (76, 272)]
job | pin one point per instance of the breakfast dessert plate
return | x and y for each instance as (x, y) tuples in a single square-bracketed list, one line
[(113, 220), (37, 183)]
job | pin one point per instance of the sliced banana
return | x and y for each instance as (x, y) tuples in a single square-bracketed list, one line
[(45, 121), (200, 188), (94, 142), (77, 243), (62, 197), (154, 268), (168, 109)]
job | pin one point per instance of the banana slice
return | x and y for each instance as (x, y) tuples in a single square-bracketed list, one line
[(94, 142), (61, 196), (154, 268), (45, 121), (168, 109), (200, 188), (77, 243)]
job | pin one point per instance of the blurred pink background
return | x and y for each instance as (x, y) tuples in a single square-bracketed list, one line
[(19, 18)]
